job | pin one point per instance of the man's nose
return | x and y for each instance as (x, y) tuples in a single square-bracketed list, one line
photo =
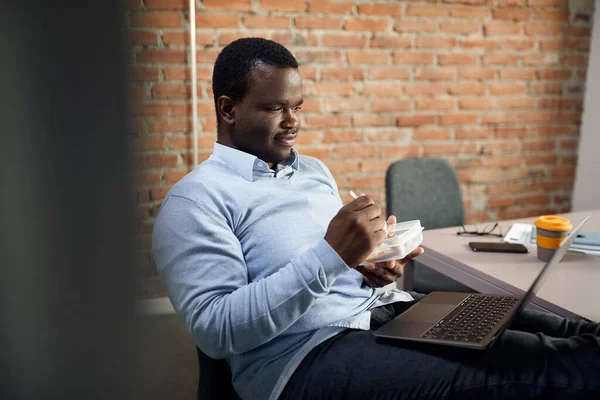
[(290, 119)]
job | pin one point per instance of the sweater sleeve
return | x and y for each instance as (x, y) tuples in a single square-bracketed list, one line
[(202, 266)]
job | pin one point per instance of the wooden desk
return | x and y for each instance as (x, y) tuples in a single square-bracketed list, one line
[(571, 288)]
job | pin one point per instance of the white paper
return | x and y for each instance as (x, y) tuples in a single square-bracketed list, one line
[(519, 233)]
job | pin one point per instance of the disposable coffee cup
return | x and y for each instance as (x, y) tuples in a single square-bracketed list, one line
[(551, 231)]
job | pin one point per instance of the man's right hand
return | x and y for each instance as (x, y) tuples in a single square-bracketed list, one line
[(356, 230)]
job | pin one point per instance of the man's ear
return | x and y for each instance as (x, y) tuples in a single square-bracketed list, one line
[(225, 106)]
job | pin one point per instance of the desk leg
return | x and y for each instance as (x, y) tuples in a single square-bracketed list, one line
[(408, 276)]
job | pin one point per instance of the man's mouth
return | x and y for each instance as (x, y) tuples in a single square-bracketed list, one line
[(286, 140)]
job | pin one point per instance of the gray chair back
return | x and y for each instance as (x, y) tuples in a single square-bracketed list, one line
[(426, 189), (214, 382)]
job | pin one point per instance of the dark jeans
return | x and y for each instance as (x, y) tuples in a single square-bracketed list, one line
[(541, 356)]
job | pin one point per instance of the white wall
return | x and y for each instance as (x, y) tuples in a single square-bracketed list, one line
[(586, 194)]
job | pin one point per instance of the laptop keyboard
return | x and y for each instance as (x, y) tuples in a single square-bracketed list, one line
[(472, 319)]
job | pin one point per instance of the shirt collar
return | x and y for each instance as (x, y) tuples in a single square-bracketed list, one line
[(245, 164)]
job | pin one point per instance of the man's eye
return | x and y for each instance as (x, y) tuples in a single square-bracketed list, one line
[(274, 109), (296, 109)]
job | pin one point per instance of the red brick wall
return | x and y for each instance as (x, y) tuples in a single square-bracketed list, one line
[(496, 87)]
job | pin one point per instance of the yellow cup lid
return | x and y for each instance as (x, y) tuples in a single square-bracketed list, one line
[(553, 223)]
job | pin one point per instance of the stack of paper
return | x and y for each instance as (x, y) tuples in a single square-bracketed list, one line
[(585, 242)]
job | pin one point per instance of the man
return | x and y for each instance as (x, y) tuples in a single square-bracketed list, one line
[(262, 261)]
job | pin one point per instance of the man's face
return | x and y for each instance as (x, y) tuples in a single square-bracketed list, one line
[(266, 121)]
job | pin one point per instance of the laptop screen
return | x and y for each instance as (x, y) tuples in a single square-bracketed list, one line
[(539, 280), (558, 255)]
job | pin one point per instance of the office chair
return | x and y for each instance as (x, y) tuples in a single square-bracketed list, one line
[(426, 189), (214, 382)]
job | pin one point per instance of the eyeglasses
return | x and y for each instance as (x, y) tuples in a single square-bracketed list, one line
[(486, 231)]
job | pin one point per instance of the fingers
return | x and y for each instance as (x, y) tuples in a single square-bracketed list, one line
[(379, 234), (374, 281), (372, 211), (360, 203), (384, 273), (391, 223), (415, 253), (376, 224), (396, 267), (369, 210)]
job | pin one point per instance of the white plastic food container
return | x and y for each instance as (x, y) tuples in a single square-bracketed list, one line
[(403, 237)]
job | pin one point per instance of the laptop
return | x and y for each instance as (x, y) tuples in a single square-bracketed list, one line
[(464, 319)]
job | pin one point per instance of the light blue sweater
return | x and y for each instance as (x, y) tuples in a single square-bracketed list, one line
[(240, 249)]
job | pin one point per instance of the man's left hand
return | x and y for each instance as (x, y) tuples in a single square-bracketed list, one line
[(383, 273)]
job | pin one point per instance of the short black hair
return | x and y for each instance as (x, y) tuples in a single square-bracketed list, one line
[(231, 74)]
